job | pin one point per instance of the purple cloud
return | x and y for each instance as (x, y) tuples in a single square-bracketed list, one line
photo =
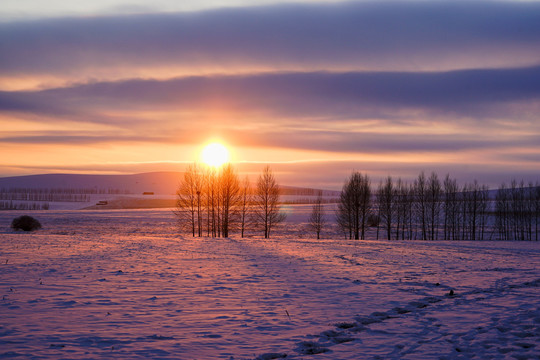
[(482, 94), (363, 35)]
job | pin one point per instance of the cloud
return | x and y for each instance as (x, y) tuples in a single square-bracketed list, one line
[(324, 141), (317, 96), (385, 143), (21, 9), (298, 110), (83, 138), (337, 113), (456, 81), (412, 36)]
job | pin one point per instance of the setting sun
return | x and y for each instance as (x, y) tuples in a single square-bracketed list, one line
[(215, 154)]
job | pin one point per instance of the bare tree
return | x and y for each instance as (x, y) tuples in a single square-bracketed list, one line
[(535, 194), (386, 200), (473, 206), (188, 201), (484, 210), (502, 210), (521, 211), (536, 208), (420, 190), (355, 205), (268, 211), (229, 198), (530, 209), (317, 219), (365, 204), (433, 198), (406, 201), (344, 212), (450, 208), (211, 201), (245, 205), (398, 207)]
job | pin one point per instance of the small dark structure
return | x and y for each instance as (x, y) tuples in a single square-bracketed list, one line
[(102, 202), (148, 193), (25, 223)]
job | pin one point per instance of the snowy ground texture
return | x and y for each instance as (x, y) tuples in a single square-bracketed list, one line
[(124, 285)]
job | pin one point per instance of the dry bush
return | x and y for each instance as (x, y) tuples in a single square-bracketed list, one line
[(25, 223)]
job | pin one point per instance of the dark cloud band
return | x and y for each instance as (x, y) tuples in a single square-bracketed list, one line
[(328, 96)]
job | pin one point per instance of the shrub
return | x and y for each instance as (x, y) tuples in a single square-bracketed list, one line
[(25, 223)]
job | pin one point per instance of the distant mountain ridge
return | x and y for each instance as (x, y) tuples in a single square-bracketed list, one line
[(159, 183)]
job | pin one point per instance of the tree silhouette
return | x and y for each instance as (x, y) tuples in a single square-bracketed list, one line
[(188, 201), (354, 206), (246, 200), (386, 201), (229, 198), (317, 219), (267, 209)]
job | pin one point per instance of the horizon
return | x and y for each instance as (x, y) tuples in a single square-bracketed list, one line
[(316, 90), (373, 182)]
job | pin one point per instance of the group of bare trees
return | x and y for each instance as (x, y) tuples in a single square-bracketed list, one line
[(10, 205), (431, 209), (213, 202), (517, 211), (354, 206)]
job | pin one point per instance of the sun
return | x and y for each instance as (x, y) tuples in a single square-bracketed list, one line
[(215, 154)]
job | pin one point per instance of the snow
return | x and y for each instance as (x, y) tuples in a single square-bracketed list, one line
[(123, 284)]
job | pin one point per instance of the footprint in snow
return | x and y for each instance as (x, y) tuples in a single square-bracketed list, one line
[(311, 348), (270, 356), (336, 337)]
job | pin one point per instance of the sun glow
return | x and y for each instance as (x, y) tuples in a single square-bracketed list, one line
[(215, 154)]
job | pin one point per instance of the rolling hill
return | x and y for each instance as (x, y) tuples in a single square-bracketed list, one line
[(159, 183)]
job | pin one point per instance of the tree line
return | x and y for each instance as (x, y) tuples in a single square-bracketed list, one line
[(430, 208), (10, 205), (43, 196), (517, 211), (66, 191), (214, 202)]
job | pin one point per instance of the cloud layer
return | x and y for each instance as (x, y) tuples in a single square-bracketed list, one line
[(434, 35), (438, 82), (470, 99)]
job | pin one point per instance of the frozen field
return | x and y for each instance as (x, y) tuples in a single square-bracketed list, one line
[(124, 285)]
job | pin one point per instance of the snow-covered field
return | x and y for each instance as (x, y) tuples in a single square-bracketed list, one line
[(123, 285)]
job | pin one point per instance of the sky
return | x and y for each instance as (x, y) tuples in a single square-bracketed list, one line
[(315, 89)]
